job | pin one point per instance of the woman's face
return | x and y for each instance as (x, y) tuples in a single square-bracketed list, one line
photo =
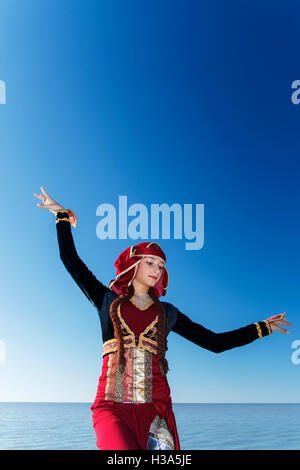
[(149, 271)]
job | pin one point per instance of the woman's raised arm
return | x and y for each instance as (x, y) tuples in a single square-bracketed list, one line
[(92, 288)]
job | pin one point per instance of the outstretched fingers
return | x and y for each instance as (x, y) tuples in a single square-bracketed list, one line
[(277, 317), (45, 192), (283, 322), (275, 325), (44, 206), (282, 330), (40, 196)]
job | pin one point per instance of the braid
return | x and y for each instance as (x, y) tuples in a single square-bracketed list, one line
[(161, 334), (121, 362), (161, 330)]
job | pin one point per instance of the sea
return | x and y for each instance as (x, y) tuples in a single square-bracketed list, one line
[(201, 426)]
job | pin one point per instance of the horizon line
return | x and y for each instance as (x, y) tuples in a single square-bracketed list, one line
[(174, 403)]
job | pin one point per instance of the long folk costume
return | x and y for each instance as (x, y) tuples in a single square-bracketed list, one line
[(133, 407)]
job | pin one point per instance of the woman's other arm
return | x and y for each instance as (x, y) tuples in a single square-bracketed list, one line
[(219, 342)]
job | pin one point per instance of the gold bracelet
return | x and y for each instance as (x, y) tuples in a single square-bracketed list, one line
[(258, 330), (268, 326), (61, 211), (65, 218), (69, 213)]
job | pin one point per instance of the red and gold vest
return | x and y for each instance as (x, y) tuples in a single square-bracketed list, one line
[(141, 381)]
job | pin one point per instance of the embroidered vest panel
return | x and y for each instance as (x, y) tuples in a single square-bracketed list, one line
[(136, 383), (146, 340), (106, 323), (141, 381)]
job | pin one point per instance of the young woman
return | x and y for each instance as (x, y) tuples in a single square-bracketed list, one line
[(133, 408)]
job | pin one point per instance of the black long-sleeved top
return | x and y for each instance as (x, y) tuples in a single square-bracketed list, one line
[(102, 297)]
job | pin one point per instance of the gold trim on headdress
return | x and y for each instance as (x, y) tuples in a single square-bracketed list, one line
[(135, 265), (155, 256), (154, 243), (123, 272), (134, 274), (132, 252)]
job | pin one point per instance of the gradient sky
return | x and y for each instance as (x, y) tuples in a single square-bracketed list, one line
[(164, 102)]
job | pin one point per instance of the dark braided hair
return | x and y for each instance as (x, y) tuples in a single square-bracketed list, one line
[(161, 330)]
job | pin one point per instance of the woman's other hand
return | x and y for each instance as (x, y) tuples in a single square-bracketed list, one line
[(48, 202), (279, 320)]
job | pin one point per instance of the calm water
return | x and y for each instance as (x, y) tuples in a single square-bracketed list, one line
[(200, 426)]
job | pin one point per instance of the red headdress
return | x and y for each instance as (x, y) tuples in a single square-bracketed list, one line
[(127, 266)]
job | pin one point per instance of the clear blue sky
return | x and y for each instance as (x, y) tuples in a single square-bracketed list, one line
[(164, 102)]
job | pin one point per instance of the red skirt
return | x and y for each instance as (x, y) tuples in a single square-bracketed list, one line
[(125, 426), (121, 425)]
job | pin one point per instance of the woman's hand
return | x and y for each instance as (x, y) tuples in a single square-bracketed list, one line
[(279, 320), (48, 202)]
